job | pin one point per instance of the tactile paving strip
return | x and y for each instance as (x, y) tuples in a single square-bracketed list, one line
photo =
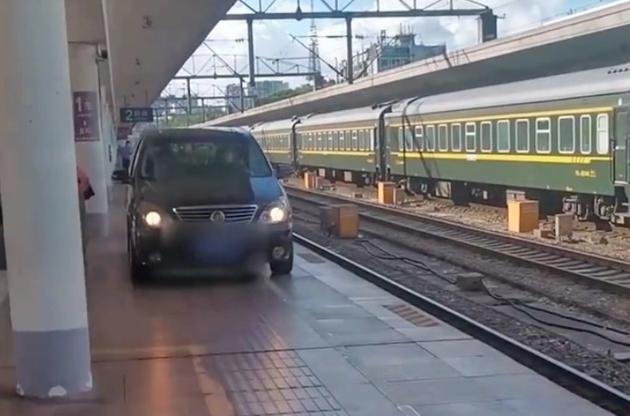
[(412, 315), (271, 383), (312, 258)]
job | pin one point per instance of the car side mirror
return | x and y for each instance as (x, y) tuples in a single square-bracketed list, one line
[(121, 175), (284, 171)]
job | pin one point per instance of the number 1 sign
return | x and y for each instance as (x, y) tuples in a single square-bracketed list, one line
[(84, 104)]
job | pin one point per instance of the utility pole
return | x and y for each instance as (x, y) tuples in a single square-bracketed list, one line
[(349, 69), (189, 95), (250, 48), (314, 65), (242, 95)]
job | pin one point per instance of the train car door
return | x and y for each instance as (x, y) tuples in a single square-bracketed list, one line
[(374, 149), (620, 146), (381, 148)]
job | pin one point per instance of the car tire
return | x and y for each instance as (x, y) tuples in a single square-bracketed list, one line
[(138, 272), (282, 267)]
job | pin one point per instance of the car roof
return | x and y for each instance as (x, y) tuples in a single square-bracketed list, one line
[(234, 133)]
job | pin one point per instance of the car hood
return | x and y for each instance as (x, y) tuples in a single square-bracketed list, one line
[(258, 191)]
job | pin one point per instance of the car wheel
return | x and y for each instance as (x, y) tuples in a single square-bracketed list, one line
[(139, 273), (282, 267)]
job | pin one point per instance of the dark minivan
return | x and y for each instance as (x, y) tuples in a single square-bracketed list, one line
[(205, 201)]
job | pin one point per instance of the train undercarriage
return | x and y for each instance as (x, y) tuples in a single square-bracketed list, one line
[(592, 208)]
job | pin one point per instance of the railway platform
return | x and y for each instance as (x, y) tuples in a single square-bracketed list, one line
[(319, 342)]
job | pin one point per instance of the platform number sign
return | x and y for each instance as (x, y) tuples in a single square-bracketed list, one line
[(136, 115), (84, 104)]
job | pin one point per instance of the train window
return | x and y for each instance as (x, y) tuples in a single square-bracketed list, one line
[(419, 141), (330, 141), (586, 134), (543, 135), (372, 139), (408, 131), (471, 137), (355, 140), (443, 137), (486, 136), (522, 136), (566, 134), (311, 141), (603, 137), (362, 140), (456, 137), (503, 136), (429, 136), (342, 145)]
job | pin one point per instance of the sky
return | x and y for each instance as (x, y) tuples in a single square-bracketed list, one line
[(273, 39)]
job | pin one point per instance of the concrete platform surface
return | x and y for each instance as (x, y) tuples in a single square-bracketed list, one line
[(319, 342)]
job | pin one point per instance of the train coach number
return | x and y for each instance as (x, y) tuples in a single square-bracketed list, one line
[(585, 173)]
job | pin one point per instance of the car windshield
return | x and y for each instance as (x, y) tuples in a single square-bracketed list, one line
[(206, 158)]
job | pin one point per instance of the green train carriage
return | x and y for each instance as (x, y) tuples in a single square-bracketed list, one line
[(277, 140), (343, 145), (561, 139)]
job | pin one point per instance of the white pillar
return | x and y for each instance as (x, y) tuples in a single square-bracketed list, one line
[(40, 202), (108, 139), (84, 80)]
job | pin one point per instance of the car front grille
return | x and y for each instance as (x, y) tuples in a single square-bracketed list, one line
[(231, 213)]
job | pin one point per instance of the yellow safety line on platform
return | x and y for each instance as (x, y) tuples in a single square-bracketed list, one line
[(215, 395)]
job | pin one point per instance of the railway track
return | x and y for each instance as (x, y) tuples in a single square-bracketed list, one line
[(594, 390), (598, 271)]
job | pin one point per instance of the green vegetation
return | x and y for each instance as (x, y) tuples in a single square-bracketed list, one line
[(181, 119), (284, 95)]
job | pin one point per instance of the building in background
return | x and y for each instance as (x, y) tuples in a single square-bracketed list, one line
[(233, 99), (391, 52), (265, 89)]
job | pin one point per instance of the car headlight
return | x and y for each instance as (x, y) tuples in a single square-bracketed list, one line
[(151, 215), (152, 219), (276, 212)]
